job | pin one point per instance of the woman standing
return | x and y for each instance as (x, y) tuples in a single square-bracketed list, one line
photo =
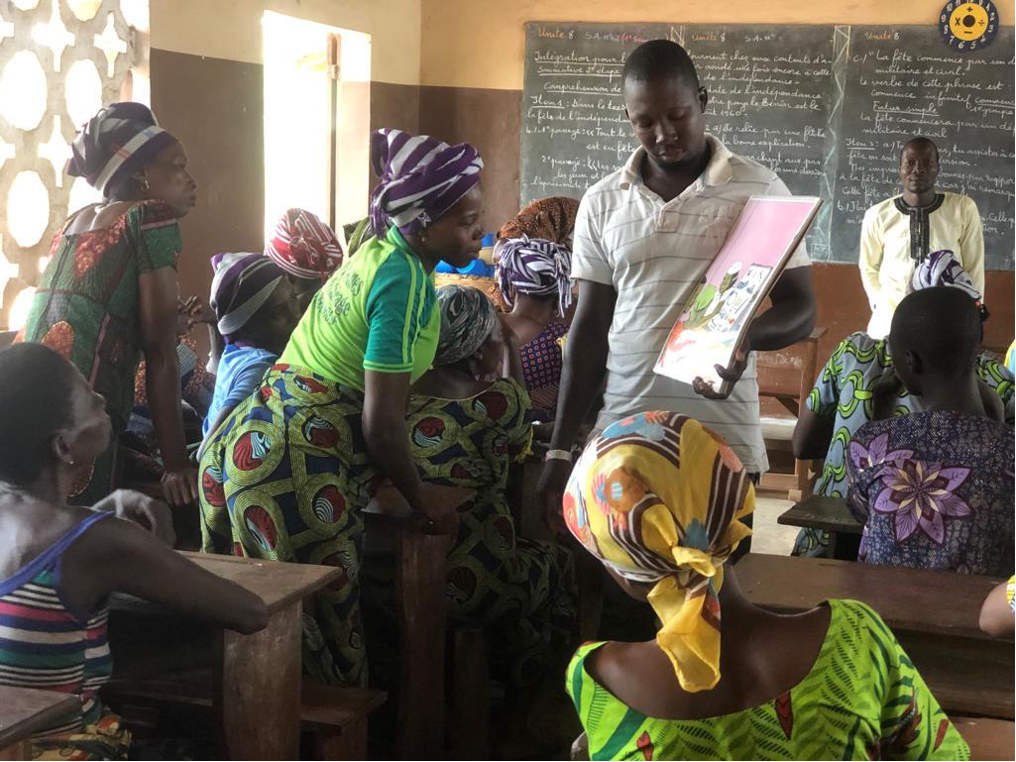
[(534, 277), (110, 292), (287, 475)]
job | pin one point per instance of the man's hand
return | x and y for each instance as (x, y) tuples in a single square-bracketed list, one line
[(550, 493), (730, 375), (153, 515)]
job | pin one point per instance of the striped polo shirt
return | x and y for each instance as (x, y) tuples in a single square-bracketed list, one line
[(45, 646), (654, 253)]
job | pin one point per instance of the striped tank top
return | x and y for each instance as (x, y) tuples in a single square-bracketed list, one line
[(43, 645)]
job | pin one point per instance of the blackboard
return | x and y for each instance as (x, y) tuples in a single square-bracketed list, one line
[(827, 107)]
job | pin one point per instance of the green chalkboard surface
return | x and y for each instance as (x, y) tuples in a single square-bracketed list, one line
[(827, 107)]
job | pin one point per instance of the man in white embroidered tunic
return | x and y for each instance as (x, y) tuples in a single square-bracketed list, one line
[(901, 231)]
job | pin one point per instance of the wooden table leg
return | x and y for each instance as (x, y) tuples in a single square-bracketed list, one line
[(17, 750), (256, 686), (420, 584)]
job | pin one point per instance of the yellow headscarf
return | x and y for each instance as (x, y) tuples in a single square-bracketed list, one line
[(658, 497)]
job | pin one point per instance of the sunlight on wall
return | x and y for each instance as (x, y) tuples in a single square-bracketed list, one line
[(298, 120)]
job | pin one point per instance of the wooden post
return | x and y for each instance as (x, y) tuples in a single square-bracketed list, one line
[(420, 586), (468, 730), (259, 707)]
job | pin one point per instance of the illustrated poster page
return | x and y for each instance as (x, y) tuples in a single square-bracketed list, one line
[(762, 239)]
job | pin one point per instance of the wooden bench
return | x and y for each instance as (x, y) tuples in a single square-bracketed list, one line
[(987, 738), (933, 614), (829, 514), (788, 377), (335, 716), (256, 679), (25, 711)]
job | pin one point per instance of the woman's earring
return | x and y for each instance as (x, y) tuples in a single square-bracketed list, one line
[(144, 185)]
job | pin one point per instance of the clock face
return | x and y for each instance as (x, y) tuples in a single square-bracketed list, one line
[(969, 25)]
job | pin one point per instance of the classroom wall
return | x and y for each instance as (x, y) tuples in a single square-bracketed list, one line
[(471, 66), (446, 67), (208, 89)]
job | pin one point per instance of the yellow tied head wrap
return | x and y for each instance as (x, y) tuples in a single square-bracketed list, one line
[(657, 498)]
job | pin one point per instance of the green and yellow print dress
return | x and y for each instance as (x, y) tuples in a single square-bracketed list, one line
[(287, 475), (522, 589), (844, 389), (862, 699), (87, 308)]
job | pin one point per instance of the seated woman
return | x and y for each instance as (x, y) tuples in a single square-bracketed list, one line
[(934, 489), (861, 371), (465, 432), (533, 256), (307, 249), (659, 499), (256, 310), (55, 570)]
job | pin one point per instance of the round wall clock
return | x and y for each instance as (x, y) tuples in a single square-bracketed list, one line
[(970, 25)]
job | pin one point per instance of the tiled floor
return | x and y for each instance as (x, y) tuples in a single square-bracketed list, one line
[(770, 537)]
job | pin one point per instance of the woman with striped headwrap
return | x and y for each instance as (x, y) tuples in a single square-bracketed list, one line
[(286, 476), (659, 499), (110, 294), (533, 273), (466, 431), (307, 249)]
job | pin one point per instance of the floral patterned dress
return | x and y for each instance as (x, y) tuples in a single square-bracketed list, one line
[(934, 491), (843, 391), (520, 588), (87, 308)]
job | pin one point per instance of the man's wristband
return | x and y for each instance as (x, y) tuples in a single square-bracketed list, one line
[(558, 455)]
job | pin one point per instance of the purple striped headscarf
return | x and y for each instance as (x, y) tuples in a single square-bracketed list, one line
[(421, 179), (534, 266), (941, 268), (242, 283), (115, 144)]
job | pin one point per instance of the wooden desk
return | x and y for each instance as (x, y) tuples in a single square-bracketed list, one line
[(933, 614), (24, 711), (828, 514), (256, 679)]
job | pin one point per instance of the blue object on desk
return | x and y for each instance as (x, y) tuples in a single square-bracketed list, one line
[(477, 267)]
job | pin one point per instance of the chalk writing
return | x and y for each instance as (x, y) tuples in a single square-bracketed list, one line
[(828, 108)]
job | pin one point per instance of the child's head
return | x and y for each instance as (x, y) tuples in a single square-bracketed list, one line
[(50, 414), (934, 338), (254, 301)]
